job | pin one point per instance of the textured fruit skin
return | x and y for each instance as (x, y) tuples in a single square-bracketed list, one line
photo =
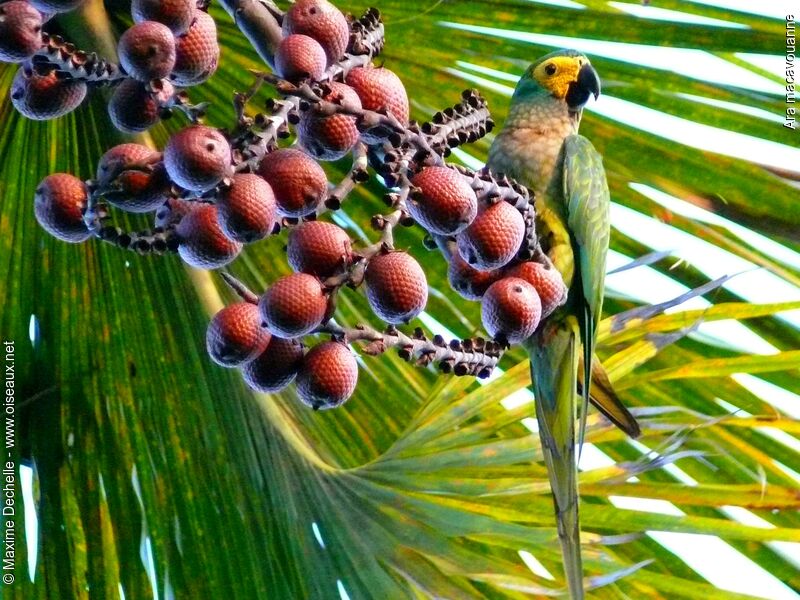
[(319, 248), (20, 31), (547, 282), (47, 6), (511, 309), (380, 90), (147, 51), (175, 14), (235, 335), (133, 108), (276, 367), (330, 138), (293, 306), (322, 21), (494, 237), (196, 52), (328, 376), (141, 191), (173, 211), (42, 97), (203, 245), (247, 208), (397, 289), (121, 156), (445, 204), (468, 282), (198, 158), (299, 57), (298, 182), (58, 204)]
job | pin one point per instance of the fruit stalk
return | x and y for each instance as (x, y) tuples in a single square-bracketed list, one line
[(259, 21), (67, 60)]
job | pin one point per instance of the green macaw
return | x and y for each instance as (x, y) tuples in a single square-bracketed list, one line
[(539, 146)]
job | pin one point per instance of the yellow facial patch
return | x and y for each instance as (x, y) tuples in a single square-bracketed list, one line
[(555, 74)]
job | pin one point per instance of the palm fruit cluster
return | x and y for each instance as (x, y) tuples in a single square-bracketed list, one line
[(214, 191)]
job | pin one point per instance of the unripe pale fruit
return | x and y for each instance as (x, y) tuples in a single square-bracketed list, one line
[(59, 203), (202, 243), (397, 289), (298, 182), (547, 282), (147, 51), (445, 204), (322, 21), (41, 97), (20, 31), (319, 248), (198, 158), (235, 335), (294, 306), (247, 208), (468, 282), (196, 52), (330, 138), (276, 367), (511, 310), (299, 57), (380, 90), (134, 108), (52, 6), (175, 14), (173, 211), (493, 238), (328, 376)]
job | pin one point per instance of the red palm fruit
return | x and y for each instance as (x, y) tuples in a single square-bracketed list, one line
[(173, 211), (319, 248), (121, 157), (468, 282), (381, 90), (247, 208), (202, 243), (299, 57), (20, 31), (511, 310), (140, 191), (48, 6), (397, 289), (196, 52), (298, 182), (330, 138), (147, 51), (276, 367), (444, 204), (294, 306), (547, 282), (198, 158), (328, 376), (59, 203), (235, 335), (135, 107), (322, 21), (494, 237), (175, 14), (41, 97)]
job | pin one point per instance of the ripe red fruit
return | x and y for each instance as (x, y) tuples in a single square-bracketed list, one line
[(147, 51), (380, 90), (173, 211), (330, 138), (47, 6), (20, 31), (41, 97), (547, 282), (175, 14), (322, 21), (397, 289), (196, 52), (494, 237), (276, 367), (298, 182), (137, 182), (135, 107), (445, 203), (198, 158), (247, 208), (294, 306), (59, 203), (511, 309), (122, 156), (299, 57), (328, 376), (319, 248), (235, 335), (468, 282), (202, 243)]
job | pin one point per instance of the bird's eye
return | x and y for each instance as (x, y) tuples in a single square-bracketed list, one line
[(550, 69)]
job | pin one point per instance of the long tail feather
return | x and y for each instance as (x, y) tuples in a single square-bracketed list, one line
[(605, 399)]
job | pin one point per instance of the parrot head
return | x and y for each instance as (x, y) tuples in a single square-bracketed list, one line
[(566, 75)]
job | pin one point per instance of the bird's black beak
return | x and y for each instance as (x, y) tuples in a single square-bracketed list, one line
[(587, 84)]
